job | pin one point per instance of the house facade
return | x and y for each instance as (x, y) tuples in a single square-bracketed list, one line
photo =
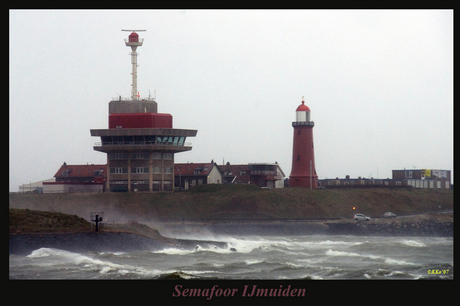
[(424, 178), (416, 178), (264, 175), (187, 175)]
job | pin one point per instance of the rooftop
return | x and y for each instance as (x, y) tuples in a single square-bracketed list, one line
[(80, 170), (189, 169), (302, 108)]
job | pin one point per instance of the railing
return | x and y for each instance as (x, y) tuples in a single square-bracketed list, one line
[(141, 143), (120, 98), (263, 172), (271, 175), (295, 123)]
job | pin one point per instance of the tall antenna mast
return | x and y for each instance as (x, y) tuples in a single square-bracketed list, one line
[(133, 41)]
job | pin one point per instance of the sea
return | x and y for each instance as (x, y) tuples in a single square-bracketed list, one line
[(315, 257)]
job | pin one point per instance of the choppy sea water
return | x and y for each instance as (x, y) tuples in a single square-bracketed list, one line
[(291, 257)]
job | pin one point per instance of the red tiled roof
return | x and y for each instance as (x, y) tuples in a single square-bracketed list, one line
[(236, 173), (80, 170), (235, 169), (188, 169)]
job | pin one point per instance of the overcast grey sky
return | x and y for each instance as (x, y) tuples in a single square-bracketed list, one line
[(379, 85)]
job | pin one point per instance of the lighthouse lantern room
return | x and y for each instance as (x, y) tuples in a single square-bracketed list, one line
[(303, 113)]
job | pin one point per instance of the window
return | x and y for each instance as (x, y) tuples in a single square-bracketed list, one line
[(408, 174), (398, 183), (65, 173), (139, 155), (168, 185), (150, 139), (138, 139), (118, 170), (168, 170), (118, 156), (139, 170), (181, 141), (156, 155), (167, 156), (156, 170), (156, 186)]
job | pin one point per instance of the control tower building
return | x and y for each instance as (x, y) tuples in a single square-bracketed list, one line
[(140, 143)]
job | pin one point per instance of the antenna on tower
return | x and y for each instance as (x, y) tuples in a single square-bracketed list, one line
[(133, 41)]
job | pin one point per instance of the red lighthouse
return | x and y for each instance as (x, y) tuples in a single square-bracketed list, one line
[(303, 173)]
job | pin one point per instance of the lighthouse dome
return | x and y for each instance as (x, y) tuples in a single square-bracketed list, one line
[(134, 37), (302, 108)]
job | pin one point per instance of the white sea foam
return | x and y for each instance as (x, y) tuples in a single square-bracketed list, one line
[(350, 254), (174, 251), (413, 243), (293, 265), (327, 242), (340, 253), (56, 256), (46, 252), (397, 262), (198, 248), (254, 261)]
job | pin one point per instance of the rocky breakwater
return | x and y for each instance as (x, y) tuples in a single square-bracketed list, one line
[(439, 225)]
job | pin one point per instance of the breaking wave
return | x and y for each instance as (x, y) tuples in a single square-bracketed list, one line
[(297, 257)]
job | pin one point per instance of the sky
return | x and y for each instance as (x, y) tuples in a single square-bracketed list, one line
[(379, 84)]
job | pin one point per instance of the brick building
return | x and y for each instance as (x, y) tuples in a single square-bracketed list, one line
[(417, 178), (261, 174), (77, 178), (424, 178)]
